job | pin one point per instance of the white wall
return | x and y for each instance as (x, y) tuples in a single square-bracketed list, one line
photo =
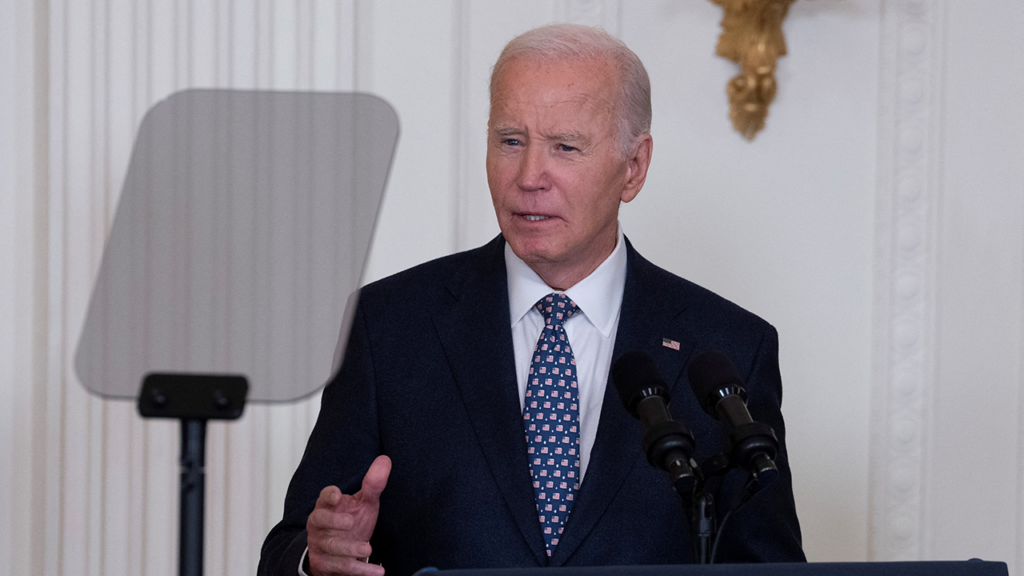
[(977, 409), (878, 222)]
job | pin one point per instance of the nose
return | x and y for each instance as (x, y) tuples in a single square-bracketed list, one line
[(533, 174)]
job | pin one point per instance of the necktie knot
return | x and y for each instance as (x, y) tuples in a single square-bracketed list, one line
[(556, 308)]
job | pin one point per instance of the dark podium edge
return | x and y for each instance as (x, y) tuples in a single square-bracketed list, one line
[(972, 567)]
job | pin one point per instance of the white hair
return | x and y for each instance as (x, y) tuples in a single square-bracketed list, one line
[(561, 42)]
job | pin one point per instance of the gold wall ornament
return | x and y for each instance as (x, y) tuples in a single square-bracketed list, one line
[(752, 36)]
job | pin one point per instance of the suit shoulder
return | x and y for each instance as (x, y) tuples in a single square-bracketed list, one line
[(711, 322), (701, 316), (700, 304)]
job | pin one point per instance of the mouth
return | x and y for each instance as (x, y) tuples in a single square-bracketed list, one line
[(534, 217)]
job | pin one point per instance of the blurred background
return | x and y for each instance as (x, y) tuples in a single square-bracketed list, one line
[(877, 222)]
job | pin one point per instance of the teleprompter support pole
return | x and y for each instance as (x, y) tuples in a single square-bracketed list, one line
[(192, 486), (193, 399)]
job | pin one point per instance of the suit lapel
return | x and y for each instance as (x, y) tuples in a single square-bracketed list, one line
[(645, 318), (477, 341)]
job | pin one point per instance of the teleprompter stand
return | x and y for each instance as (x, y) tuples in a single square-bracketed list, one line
[(193, 399), (240, 233)]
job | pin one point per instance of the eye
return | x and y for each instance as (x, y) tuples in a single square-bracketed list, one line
[(566, 148), (510, 142)]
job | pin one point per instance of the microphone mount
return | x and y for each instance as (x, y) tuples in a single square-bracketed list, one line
[(669, 444)]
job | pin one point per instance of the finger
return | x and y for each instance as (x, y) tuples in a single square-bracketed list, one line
[(329, 497), (343, 546), (376, 479), (344, 566), (354, 567), (326, 519)]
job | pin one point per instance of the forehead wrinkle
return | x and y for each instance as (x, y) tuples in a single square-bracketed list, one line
[(551, 107)]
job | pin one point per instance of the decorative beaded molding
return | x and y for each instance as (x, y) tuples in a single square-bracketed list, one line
[(908, 194)]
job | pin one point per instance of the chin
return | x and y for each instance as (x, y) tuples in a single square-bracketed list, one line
[(531, 252)]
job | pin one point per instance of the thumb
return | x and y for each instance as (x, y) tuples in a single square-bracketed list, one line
[(376, 479)]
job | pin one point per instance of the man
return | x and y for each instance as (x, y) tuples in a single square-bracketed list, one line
[(471, 424)]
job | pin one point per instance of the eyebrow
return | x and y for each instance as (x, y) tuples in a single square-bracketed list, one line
[(508, 131), (559, 137)]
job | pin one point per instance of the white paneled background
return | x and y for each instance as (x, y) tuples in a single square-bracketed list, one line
[(878, 222)]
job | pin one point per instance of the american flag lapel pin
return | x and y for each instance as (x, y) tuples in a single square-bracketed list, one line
[(668, 343)]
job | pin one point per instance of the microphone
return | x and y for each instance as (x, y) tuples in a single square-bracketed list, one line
[(719, 390), (668, 444)]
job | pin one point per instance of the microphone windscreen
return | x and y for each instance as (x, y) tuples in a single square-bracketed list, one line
[(710, 372), (635, 377)]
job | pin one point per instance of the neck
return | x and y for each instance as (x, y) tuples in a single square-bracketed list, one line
[(560, 280), (561, 277)]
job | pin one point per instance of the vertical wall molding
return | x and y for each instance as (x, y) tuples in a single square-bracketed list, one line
[(908, 202), (1020, 453), (461, 134), (40, 274), (362, 45), (19, 400)]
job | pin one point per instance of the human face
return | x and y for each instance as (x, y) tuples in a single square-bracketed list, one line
[(555, 166)]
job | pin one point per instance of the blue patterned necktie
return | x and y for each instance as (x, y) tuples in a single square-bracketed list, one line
[(552, 419)]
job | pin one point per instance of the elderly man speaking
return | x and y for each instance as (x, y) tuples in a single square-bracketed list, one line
[(471, 424)]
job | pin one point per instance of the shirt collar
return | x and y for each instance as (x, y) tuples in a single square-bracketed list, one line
[(599, 295)]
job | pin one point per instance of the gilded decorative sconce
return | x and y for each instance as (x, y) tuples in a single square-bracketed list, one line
[(752, 36)]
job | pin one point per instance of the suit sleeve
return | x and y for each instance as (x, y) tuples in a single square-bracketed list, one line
[(341, 447), (765, 529)]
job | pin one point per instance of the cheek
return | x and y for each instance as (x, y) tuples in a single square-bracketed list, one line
[(500, 179), (493, 178), (583, 188), (601, 203)]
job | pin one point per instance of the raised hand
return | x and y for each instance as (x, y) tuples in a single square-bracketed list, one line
[(339, 528)]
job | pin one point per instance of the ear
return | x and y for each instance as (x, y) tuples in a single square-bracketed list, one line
[(636, 166)]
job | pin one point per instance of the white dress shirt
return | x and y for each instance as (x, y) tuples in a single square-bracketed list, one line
[(591, 331)]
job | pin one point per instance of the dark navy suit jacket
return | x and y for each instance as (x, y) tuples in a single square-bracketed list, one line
[(429, 380)]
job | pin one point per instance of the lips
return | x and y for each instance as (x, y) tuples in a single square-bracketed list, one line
[(534, 216)]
